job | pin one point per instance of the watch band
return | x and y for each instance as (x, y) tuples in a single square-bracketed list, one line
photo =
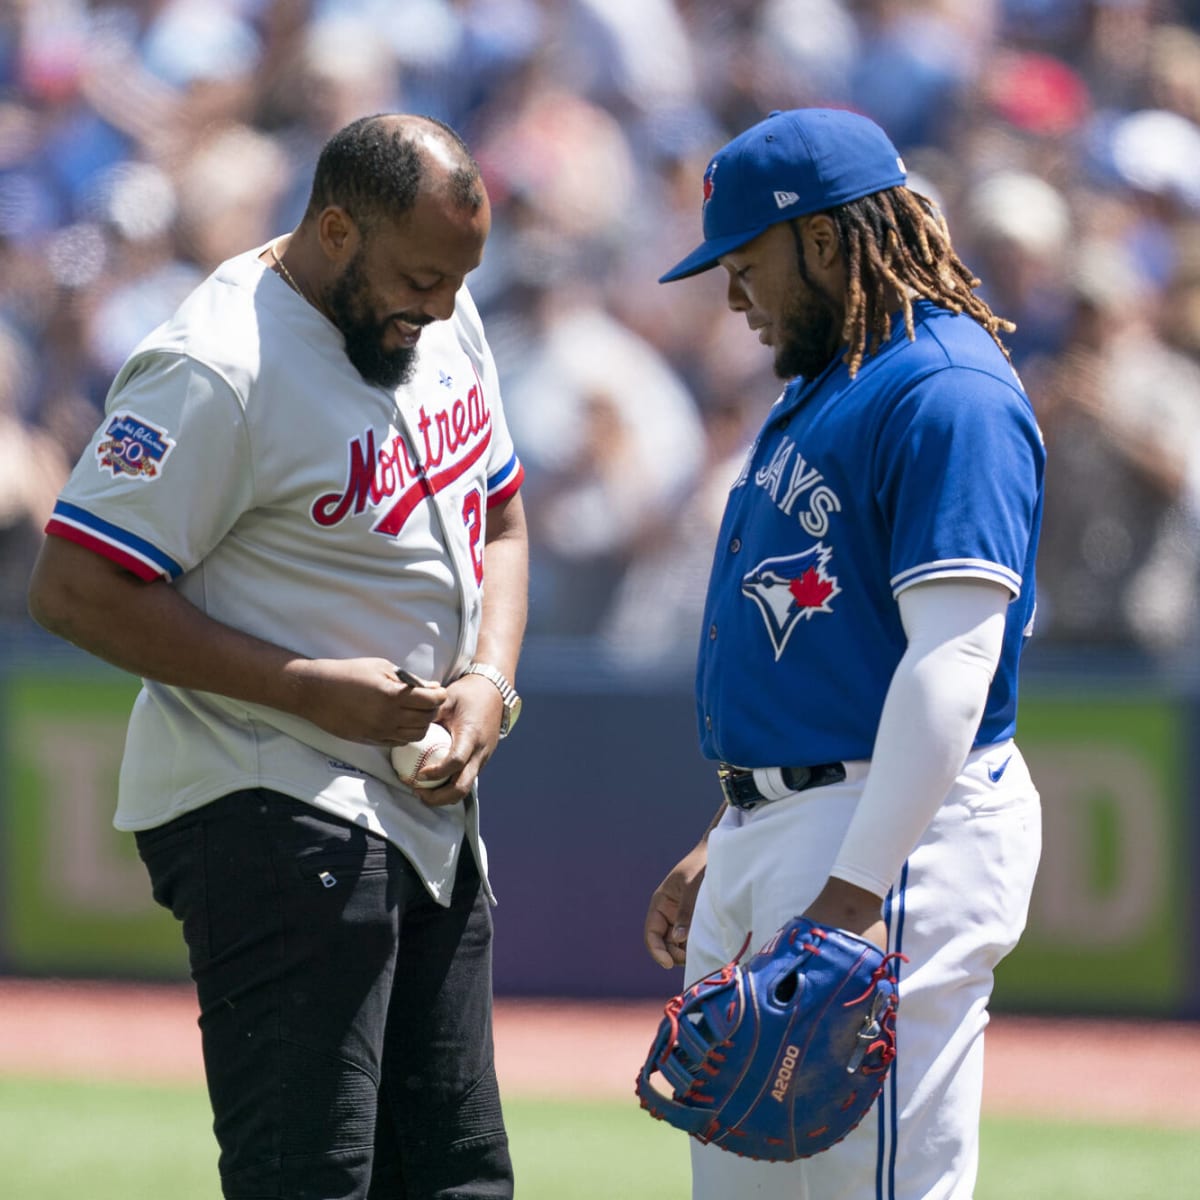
[(508, 693)]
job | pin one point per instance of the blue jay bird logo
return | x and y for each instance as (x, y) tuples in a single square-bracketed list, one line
[(791, 589)]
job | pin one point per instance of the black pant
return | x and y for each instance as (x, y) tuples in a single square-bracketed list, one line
[(346, 1017)]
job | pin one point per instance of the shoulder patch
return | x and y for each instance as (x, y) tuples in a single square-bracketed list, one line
[(133, 447)]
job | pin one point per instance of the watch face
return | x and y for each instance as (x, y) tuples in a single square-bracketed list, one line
[(512, 702), (511, 713)]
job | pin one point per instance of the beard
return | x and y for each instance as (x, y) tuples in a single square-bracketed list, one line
[(350, 310), (810, 333)]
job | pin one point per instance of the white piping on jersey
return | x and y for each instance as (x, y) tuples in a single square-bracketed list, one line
[(980, 568), (502, 479), (122, 545)]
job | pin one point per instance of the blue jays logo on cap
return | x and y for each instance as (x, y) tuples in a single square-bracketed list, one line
[(792, 164), (133, 447), (791, 589)]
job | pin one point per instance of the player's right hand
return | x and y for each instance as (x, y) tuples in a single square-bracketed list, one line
[(363, 699), (670, 913)]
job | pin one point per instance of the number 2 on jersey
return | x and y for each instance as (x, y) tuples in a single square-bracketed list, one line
[(472, 511)]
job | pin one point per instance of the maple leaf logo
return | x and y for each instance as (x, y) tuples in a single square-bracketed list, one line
[(810, 590), (790, 590)]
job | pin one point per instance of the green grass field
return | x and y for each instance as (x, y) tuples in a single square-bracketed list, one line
[(69, 1141)]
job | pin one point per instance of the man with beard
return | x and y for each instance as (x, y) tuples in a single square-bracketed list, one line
[(300, 522), (870, 594)]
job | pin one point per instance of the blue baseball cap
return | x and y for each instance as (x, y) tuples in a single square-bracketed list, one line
[(789, 165)]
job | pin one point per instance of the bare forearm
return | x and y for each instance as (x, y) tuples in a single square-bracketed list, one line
[(151, 630), (847, 906)]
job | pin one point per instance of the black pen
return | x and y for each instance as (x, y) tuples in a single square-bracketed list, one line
[(412, 680)]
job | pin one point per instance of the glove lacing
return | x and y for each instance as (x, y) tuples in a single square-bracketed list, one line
[(878, 1034)]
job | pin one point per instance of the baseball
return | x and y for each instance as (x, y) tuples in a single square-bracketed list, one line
[(410, 757)]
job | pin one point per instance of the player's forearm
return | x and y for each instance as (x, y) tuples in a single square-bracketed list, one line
[(505, 588), (149, 629), (930, 719), (847, 906)]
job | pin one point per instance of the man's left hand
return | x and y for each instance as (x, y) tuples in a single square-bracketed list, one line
[(472, 712)]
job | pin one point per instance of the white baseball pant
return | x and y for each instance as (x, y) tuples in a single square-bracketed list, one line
[(957, 909)]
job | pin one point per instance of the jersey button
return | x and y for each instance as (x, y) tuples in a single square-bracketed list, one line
[(735, 545), (708, 722), (712, 633)]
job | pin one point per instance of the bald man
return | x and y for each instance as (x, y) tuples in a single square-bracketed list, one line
[(300, 523)]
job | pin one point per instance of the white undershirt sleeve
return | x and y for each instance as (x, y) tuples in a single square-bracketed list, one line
[(930, 717)]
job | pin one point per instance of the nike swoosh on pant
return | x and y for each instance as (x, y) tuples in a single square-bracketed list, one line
[(994, 773)]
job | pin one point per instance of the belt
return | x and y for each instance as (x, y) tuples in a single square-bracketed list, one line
[(746, 789)]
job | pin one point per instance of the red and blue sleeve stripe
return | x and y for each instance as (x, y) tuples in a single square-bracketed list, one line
[(122, 547), (504, 483)]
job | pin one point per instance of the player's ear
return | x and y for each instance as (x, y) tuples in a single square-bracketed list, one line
[(338, 234), (822, 237)]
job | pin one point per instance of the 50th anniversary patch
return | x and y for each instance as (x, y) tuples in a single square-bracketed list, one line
[(133, 447)]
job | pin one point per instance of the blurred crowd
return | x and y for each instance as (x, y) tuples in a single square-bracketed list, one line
[(143, 141)]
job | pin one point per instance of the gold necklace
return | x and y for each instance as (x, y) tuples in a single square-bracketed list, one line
[(287, 275)]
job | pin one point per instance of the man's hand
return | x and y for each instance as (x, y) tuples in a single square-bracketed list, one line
[(363, 699), (472, 711), (149, 628), (669, 916)]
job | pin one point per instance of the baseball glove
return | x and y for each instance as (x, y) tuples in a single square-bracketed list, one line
[(782, 1057)]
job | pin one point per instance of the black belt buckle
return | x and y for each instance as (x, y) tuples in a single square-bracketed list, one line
[(739, 787), (742, 792)]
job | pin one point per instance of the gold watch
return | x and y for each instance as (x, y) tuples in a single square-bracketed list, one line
[(508, 693)]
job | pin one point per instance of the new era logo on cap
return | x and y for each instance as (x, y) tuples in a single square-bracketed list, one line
[(788, 165)]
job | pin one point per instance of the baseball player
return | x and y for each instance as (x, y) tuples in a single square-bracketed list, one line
[(870, 593), (300, 522)]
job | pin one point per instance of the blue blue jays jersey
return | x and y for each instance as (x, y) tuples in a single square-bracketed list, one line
[(927, 465)]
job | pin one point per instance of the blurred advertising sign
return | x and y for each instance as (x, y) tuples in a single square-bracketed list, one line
[(74, 897), (1112, 927), (1112, 920)]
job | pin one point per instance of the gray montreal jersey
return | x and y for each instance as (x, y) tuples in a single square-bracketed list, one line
[(243, 458)]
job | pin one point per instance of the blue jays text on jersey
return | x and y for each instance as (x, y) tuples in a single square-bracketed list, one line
[(928, 465)]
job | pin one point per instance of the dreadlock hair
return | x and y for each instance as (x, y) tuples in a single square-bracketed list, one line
[(373, 168), (896, 242)]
